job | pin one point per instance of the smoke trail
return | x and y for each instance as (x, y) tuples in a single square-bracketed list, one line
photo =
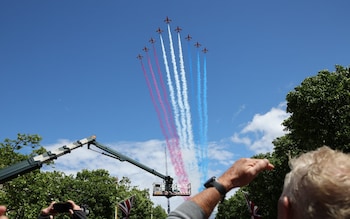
[(192, 92), (158, 95), (205, 114), (192, 163), (166, 100), (154, 103), (185, 97), (191, 70), (200, 117), (178, 89), (193, 106), (171, 87), (199, 99)]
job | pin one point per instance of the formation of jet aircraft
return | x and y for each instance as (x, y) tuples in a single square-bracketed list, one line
[(178, 29)]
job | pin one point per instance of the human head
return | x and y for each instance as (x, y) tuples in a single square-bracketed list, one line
[(318, 186)]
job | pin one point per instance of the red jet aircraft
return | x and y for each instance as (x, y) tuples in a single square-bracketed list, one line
[(139, 56), (159, 30), (152, 40), (188, 38), (197, 45), (167, 20), (178, 29)]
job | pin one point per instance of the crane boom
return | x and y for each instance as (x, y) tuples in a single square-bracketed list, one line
[(122, 158), (112, 153), (36, 162)]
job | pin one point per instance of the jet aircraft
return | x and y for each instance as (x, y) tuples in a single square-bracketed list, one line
[(139, 56), (159, 30), (145, 49), (188, 38), (197, 45), (167, 20), (152, 40), (205, 50), (178, 29)]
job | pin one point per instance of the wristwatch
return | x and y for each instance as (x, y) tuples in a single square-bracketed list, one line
[(212, 182)]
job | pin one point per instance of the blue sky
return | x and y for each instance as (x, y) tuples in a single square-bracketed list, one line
[(69, 70)]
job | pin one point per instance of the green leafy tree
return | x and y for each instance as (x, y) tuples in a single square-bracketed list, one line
[(234, 207), (320, 111), (10, 148), (159, 212)]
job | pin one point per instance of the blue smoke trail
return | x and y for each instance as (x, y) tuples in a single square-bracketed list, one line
[(205, 112), (191, 71), (200, 116)]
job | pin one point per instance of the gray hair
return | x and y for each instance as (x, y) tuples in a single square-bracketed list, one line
[(318, 185)]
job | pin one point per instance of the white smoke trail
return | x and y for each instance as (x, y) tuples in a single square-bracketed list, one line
[(185, 97), (193, 163), (179, 94), (171, 89)]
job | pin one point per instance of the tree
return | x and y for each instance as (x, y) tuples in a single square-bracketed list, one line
[(320, 109), (234, 207), (159, 212)]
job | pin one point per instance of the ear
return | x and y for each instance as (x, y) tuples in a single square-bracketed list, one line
[(283, 208)]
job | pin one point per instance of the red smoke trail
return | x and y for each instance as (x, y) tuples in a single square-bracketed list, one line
[(159, 96), (154, 103)]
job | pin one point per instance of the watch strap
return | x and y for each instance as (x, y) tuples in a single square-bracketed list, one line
[(219, 187), (212, 182)]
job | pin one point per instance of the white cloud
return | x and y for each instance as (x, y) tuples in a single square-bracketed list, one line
[(220, 154), (259, 133)]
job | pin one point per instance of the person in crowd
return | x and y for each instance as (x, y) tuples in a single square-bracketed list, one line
[(55, 208), (318, 186)]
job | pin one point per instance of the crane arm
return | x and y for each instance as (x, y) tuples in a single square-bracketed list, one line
[(112, 153), (36, 162)]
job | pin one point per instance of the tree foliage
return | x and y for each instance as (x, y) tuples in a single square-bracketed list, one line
[(320, 109), (320, 115), (26, 195)]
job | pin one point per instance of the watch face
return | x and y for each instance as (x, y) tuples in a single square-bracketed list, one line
[(208, 184)]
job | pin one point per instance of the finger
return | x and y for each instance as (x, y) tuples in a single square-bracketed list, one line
[(2, 210), (269, 166), (75, 206), (263, 164), (51, 204)]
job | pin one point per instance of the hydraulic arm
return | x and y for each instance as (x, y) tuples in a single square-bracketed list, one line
[(114, 154), (36, 162)]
